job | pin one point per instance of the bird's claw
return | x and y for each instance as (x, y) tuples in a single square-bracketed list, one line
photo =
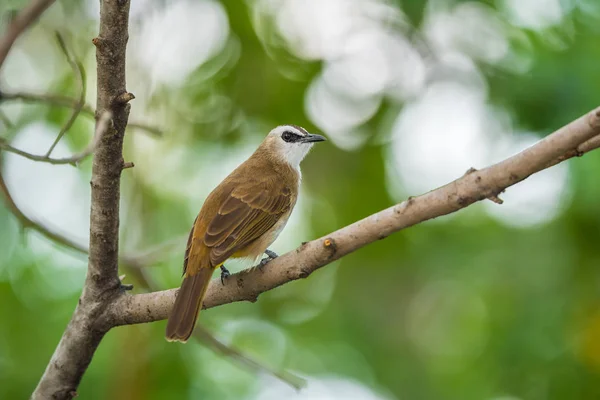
[(224, 274), (271, 255)]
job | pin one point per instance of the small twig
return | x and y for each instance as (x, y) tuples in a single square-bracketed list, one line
[(74, 159), (493, 197), (154, 254), (5, 120), (26, 222), (201, 334), (592, 144), (208, 339), (79, 71), (18, 25), (134, 261), (496, 199), (128, 164), (124, 98), (64, 101)]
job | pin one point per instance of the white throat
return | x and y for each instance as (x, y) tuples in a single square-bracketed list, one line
[(295, 153)]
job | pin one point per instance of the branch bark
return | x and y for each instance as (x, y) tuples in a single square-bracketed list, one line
[(102, 285), (574, 139)]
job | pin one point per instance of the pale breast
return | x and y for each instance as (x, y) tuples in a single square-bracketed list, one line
[(256, 250)]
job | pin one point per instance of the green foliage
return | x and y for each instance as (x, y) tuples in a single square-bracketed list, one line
[(470, 306)]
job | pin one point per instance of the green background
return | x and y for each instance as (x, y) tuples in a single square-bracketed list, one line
[(484, 304)]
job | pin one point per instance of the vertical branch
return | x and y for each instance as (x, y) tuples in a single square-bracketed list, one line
[(102, 285), (108, 157)]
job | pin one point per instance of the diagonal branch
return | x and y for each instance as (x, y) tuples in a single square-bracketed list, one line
[(204, 336), (101, 127), (5, 120), (79, 72), (20, 23), (25, 221), (574, 139)]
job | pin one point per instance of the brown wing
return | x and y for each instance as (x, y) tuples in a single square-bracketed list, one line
[(245, 215)]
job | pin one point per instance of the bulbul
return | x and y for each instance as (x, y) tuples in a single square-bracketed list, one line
[(240, 219)]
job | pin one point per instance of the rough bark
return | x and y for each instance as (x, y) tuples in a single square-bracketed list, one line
[(102, 285)]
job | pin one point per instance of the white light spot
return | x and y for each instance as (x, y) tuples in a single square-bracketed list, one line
[(362, 71), (329, 388), (172, 42), (55, 195), (23, 70), (334, 114), (317, 29), (440, 136), (533, 14), (470, 28)]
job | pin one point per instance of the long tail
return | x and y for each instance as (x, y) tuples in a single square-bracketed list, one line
[(187, 305)]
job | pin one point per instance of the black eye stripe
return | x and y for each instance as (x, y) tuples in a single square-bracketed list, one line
[(290, 137)]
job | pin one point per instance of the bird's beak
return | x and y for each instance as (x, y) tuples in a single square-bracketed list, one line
[(310, 138)]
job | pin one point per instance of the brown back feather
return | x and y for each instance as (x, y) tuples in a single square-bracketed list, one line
[(246, 205), (241, 209)]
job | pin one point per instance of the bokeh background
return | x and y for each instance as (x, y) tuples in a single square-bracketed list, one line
[(493, 302)]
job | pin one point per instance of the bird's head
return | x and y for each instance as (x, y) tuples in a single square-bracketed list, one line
[(290, 143)]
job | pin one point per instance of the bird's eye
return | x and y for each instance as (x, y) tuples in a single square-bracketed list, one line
[(289, 137)]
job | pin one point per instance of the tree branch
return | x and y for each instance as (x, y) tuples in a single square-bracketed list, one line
[(101, 127), (79, 72), (204, 336), (5, 120), (26, 222), (64, 101), (83, 334), (572, 140), (20, 23)]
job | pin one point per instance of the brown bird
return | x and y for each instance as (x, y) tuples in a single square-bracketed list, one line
[(240, 219)]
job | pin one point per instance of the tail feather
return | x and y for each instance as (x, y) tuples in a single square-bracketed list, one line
[(187, 305)]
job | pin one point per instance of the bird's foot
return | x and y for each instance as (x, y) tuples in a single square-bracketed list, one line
[(224, 274), (271, 255)]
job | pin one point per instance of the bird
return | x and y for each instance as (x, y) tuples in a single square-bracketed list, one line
[(240, 218)]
